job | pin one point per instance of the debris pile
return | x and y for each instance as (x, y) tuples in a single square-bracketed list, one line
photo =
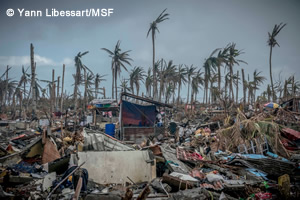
[(211, 157)]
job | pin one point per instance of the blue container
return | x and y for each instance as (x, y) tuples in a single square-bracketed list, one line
[(99, 105), (110, 129)]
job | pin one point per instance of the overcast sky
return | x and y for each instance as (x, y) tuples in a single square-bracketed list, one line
[(195, 29)]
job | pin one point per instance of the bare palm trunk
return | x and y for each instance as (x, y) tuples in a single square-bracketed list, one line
[(6, 86), (33, 85), (62, 89), (154, 70), (85, 90), (237, 86), (206, 88), (219, 77), (116, 91), (231, 85), (57, 94), (161, 88), (271, 78), (76, 87), (52, 91), (179, 86), (187, 102), (113, 80), (244, 88)]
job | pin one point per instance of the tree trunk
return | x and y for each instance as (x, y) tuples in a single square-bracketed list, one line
[(231, 85), (116, 92), (62, 89), (57, 94), (271, 78), (187, 102), (6, 86), (206, 88), (237, 86), (53, 91), (161, 88), (179, 86), (219, 77), (77, 77), (244, 88), (33, 85), (85, 90), (154, 70), (113, 80), (104, 96)]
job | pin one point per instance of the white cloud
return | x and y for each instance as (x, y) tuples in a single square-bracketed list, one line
[(25, 60)]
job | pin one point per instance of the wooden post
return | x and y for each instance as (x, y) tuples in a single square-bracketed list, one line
[(62, 89)]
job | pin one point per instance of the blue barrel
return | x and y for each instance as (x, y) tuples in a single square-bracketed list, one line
[(110, 129)]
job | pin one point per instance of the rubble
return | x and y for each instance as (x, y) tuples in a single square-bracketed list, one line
[(212, 157)]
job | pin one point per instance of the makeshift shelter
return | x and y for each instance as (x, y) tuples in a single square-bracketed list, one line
[(138, 121)]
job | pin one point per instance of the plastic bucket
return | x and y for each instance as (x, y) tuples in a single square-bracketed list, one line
[(110, 129)]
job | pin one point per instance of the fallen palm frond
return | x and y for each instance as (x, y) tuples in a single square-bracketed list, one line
[(245, 130)]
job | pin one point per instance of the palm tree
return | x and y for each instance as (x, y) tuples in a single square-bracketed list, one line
[(79, 67), (153, 29), (209, 67), (272, 43), (190, 71), (233, 53), (169, 91), (124, 85), (148, 82), (219, 60), (119, 59), (98, 79), (212, 79), (136, 76), (166, 74), (181, 79), (257, 81), (197, 83)]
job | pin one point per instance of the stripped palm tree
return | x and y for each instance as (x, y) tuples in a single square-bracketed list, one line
[(181, 79), (197, 83), (98, 79), (167, 74), (153, 29), (124, 86), (190, 71), (209, 66), (233, 53), (79, 67), (148, 82), (136, 76), (257, 81), (272, 43), (119, 59)]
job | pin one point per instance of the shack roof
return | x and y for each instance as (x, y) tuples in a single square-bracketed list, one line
[(157, 103)]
